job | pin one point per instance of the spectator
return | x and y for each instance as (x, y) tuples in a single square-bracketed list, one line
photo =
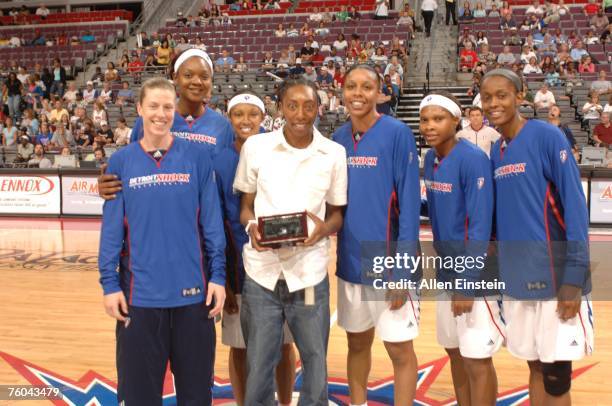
[(25, 149), (99, 157), (322, 30), (479, 11), (465, 13), (143, 41), (98, 76), (135, 69), (307, 52), (551, 76), (379, 57), (58, 112), (602, 133), (487, 56), (62, 137), (342, 15), (30, 122), (241, 66), (9, 133), (481, 38), (535, 9), (599, 21), (85, 134), (507, 23), (591, 109), (477, 132), (562, 9), (181, 20), (339, 77), (601, 86), (90, 94), (111, 74), (590, 38), (527, 54), (225, 63), (340, 43), (381, 11), (183, 44), (306, 31), (106, 94), (39, 38), (586, 65), (544, 98), (506, 57), (467, 58), (494, 12), (269, 63), (313, 42), (578, 52), (465, 37), (406, 18), (44, 135), (39, 160), (280, 32), (315, 16), (354, 15), (12, 92), (317, 58), (59, 79), (310, 73), (428, 7), (292, 32), (34, 93), (513, 39), (199, 44), (88, 38), (591, 8), (99, 114), (104, 135), (608, 107), (395, 79), (122, 132), (42, 11), (155, 40), (163, 54), (554, 118)]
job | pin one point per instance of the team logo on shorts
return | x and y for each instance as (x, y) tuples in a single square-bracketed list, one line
[(563, 155), (480, 182)]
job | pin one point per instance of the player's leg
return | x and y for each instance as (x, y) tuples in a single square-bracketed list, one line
[(483, 380), (446, 333), (557, 378), (358, 364), (285, 374), (309, 325), (397, 329), (355, 317), (461, 382), (192, 353), (405, 370), (261, 317), (536, 383), (142, 356), (237, 373)]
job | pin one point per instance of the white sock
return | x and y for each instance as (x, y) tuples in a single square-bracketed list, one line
[(363, 404)]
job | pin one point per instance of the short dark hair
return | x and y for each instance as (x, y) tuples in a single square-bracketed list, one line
[(472, 108), (293, 81), (367, 67)]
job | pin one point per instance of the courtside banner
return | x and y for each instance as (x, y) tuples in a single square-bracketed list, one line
[(80, 195), (30, 194), (601, 201)]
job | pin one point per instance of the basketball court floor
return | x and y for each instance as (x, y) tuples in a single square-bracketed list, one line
[(54, 331)]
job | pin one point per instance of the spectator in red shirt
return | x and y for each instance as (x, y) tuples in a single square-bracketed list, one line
[(591, 8), (135, 68), (602, 133), (468, 58), (317, 59)]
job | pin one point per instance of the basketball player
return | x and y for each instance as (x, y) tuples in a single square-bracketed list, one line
[(293, 169), (246, 113), (168, 204), (460, 206), (192, 73), (542, 229), (383, 205)]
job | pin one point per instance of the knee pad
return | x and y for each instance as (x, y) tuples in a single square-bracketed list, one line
[(557, 377)]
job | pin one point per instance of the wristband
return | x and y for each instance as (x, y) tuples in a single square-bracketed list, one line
[(246, 228)]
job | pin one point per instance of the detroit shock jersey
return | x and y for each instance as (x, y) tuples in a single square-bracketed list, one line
[(210, 129), (166, 212), (460, 206), (383, 192), (541, 213), (225, 165)]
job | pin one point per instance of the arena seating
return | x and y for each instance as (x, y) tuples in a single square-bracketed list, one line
[(72, 17), (284, 8), (308, 6)]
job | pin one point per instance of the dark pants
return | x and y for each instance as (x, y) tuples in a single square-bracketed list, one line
[(185, 336), (428, 18), (451, 10)]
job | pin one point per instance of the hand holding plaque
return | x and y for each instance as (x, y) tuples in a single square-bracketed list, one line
[(282, 229)]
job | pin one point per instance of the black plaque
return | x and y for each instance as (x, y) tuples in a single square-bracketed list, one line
[(283, 229)]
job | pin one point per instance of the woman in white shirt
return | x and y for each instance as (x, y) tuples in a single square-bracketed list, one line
[(122, 133), (340, 43), (379, 57), (481, 38), (280, 31), (527, 54), (532, 67), (292, 32), (608, 107), (592, 109), (99, 113)]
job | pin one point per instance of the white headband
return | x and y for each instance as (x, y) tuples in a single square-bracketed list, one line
[(246, 99), (441, 101), (193, 52)]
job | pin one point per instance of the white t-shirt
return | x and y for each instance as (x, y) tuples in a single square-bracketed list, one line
[(340, 45), (544, 100), (483, 138), (42, 11)]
